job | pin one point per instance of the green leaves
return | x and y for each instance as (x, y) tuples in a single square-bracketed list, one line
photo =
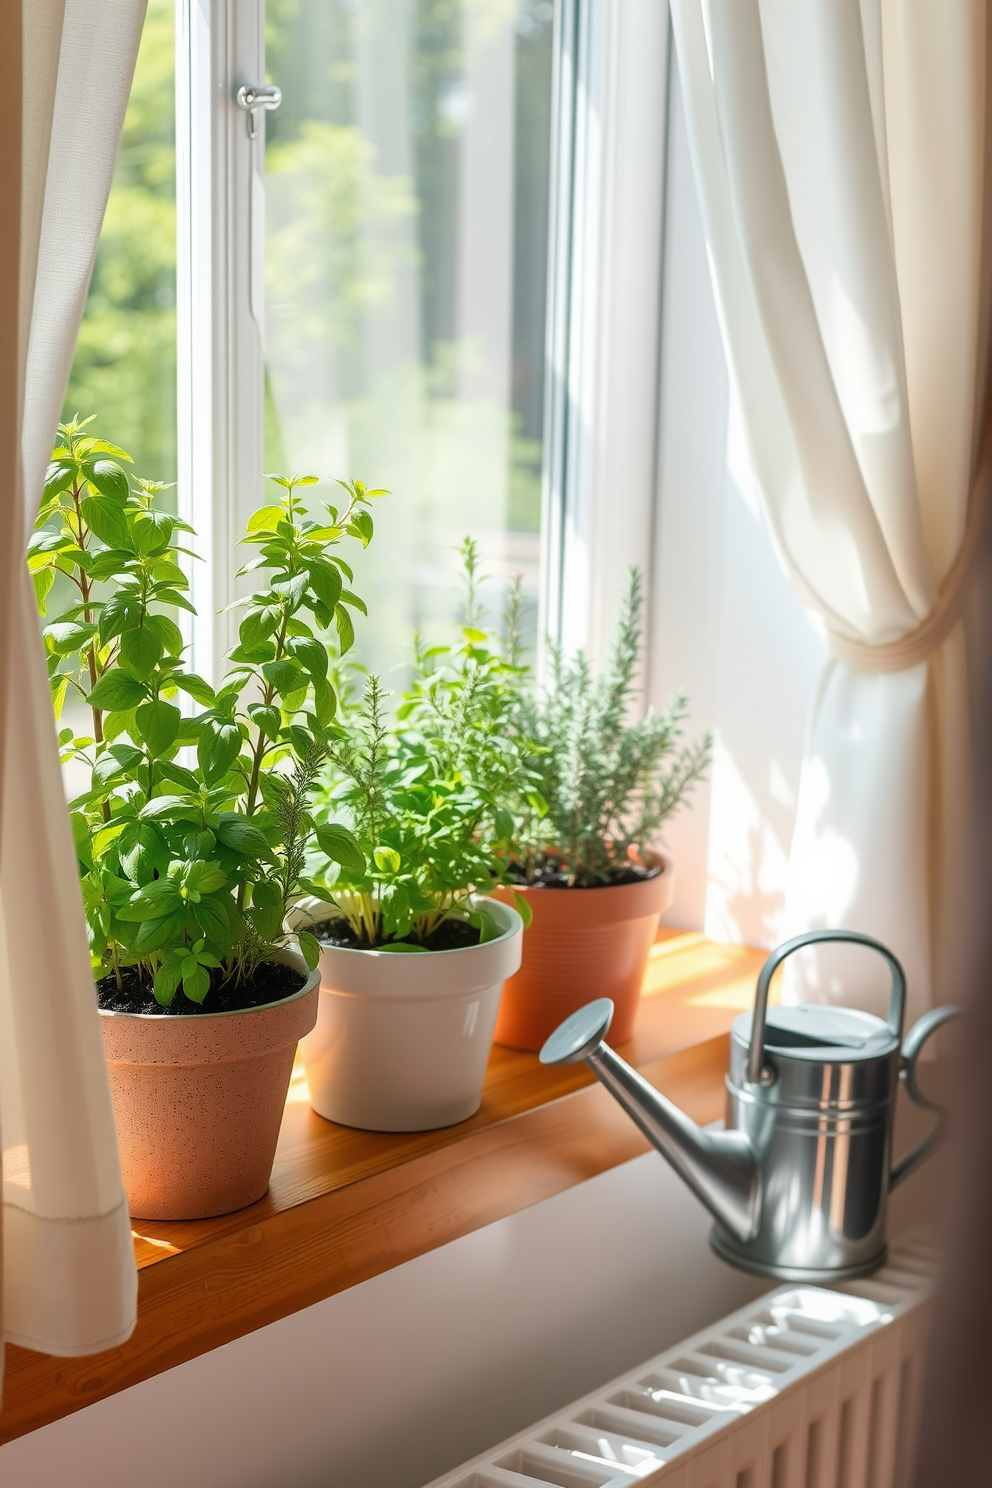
[(108, 478), (523, 909), (289, 481), (258, 624), (166, 982), (310, 947), (325, 702), (267, 720), (435, 800), (140, 651), (345, 628), (485, 922), (196, 979), (105, 516), (218, 747), (117, 690), (267, 518), (140, 851), (502, 824), (151, 532), (158, 724), (189, 870), (361, 527), (310, 654), (67, 637), (284, 675), (267, 907), (190, 967), (153, 902), (243, 837), (170, 808), (387, 859), (43, 579), (197, 878), (58, 478), (325, 581), (340, 846), (195, 687), (122, 608)]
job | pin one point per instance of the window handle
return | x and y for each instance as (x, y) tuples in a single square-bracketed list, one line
[(251, 97)]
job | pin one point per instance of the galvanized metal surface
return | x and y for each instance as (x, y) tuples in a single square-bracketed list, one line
[(798, 1181)]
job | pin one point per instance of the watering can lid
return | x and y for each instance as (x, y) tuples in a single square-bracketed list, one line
[(812, 1031)]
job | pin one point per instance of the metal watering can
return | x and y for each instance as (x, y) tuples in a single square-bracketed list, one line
[(798, 1180)]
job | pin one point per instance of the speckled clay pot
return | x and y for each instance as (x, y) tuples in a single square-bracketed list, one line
[(582, 944), (402, 1041), (198, 1101)]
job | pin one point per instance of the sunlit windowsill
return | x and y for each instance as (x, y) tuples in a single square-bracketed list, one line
[(346, 1205)]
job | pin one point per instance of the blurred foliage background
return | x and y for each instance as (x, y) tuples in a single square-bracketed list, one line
[(124, 369), (379, 362)]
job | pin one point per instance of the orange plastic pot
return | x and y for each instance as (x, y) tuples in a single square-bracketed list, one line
[(582, 944)]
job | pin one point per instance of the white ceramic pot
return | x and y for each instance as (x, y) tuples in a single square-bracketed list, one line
[(401, 1040)]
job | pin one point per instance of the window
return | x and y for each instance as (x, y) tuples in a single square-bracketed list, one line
[(436, 267), (444, 266), (406, 211)]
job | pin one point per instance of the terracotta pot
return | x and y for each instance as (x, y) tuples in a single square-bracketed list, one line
[(582, 944), (402, 1041), (198, 1101)]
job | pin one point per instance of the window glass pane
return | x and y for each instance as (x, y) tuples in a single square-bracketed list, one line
[(124, 369), (406, 189)]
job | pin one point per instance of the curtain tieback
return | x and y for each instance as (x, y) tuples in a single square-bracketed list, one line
[(909, 650)]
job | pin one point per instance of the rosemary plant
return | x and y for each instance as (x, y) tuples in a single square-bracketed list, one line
[(607, 778)]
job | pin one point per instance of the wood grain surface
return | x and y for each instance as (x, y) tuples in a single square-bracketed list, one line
[(345, 1205)]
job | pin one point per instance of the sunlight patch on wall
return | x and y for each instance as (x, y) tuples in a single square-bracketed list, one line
[(746, 896)]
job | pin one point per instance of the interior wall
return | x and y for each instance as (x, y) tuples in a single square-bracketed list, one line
[(725, 625), (398, 1380), (395, 1381)]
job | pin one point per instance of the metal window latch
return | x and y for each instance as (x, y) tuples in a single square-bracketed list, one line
[(252, 97)]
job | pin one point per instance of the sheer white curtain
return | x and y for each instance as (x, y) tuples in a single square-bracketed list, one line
[(68, 1266), (839, 149)]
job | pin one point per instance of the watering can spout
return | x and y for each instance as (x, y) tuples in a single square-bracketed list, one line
[(719, 1166)]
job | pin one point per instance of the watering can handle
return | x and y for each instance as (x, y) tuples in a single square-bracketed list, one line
[(915, 1039), (897, 1001)]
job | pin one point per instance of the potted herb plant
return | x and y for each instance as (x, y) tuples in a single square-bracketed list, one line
[(607, 779), (413, 954), (192, 831)]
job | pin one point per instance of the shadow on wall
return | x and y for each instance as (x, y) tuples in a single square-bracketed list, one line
[(741, 909), (725, 625)]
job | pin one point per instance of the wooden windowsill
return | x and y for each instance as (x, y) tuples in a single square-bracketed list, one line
[(345, 1205)]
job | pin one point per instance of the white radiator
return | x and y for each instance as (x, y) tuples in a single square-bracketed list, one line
[(805, 1388)]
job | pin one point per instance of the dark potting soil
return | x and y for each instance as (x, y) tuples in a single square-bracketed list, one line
[(550, 875), (271, 983), (451, 935)]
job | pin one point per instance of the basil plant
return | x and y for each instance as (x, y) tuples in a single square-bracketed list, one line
[(192, 832)]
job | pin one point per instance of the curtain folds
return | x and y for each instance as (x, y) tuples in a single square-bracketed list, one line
[(839, 149), (69, 1282)]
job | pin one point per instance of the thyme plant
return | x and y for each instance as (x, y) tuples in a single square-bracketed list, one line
[(189, 868), (607, 779), (426, 796)]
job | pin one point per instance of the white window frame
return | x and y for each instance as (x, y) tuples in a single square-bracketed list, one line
[(220, 403), (608, 167), (604, 327)]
